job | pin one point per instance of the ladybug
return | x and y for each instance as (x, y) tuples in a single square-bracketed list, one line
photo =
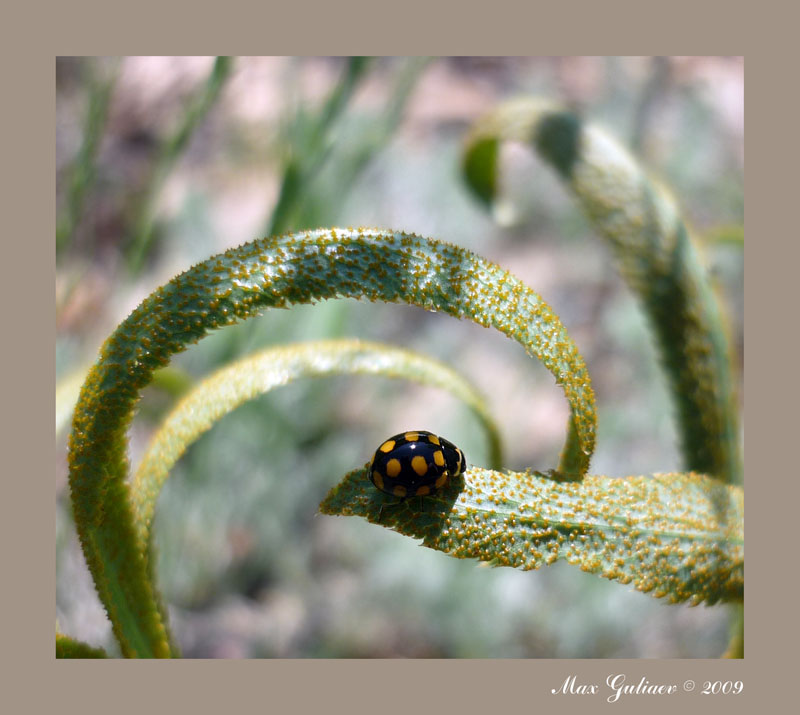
[(415, 464)]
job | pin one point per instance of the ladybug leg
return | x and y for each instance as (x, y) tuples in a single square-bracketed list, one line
[(384, 506)]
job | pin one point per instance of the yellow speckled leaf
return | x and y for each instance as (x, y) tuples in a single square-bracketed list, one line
[(658, 258), (677, 536), (374, 264)]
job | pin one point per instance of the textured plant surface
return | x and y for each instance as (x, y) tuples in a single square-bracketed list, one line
[(231, 386), (674, 535), (377, 265), (247, 378), (677, 536), (657, 257), (277, 272)]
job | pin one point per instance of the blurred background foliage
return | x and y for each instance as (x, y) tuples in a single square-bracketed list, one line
[(163, 161)]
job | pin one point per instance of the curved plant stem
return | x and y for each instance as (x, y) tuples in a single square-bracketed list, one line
[(375, 264), (254, 375), (658, 259)]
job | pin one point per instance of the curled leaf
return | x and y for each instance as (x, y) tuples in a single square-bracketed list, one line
[(254, 375), (658, 258), (675, 536), (375, 264)]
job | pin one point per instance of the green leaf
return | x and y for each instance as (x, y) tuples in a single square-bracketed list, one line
[(657, 255), (479, 166), (254, 375), (675, 536), (375, 264)]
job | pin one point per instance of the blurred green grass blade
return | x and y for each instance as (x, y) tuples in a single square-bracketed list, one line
[(380, 131), (143, 218), (675, 536), (310, 140), (82, 172), (355, 72), (250, 377), (67, 647), (301, 202), (289, 196), (347, 159)]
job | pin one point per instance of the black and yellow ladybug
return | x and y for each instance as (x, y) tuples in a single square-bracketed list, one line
[(415, 464)]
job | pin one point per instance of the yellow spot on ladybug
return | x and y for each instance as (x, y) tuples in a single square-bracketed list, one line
[(441, 481), (433, 439), (377, 479), (419, 465), (423, 491), (387, 446), (438, 458), (399, 491), (393, 467), (411, 436)]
